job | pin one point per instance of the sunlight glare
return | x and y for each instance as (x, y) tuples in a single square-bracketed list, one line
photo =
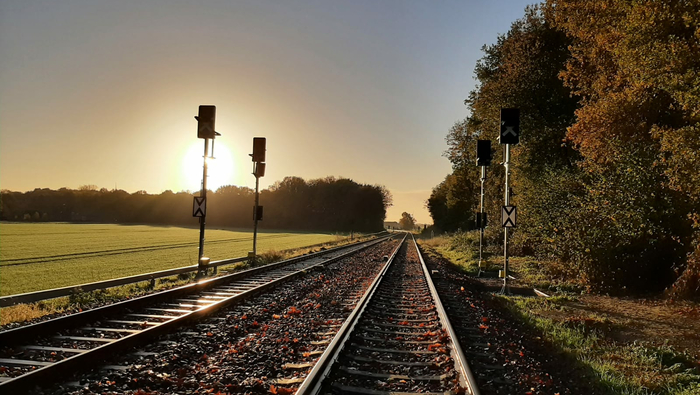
[(220, 171)]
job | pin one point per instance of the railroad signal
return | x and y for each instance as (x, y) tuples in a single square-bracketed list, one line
[(258, 157), (259, 170), (258, 149), (483, 153), (206, 122), (510, 126)]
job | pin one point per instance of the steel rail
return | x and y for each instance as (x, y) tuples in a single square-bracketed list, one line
[(466, 375), (56, 370), (20, 334), (314, 380), (29, 297)]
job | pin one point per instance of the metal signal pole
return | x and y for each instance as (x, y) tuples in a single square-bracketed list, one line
[(481, 231), (258, 157), (510, 134), (202, 219), (483, 159), (206, 131), (255, 211), (505, 289)]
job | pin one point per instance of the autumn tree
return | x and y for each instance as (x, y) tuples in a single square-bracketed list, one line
[(453, 201), (635, 67), (521, 70), (605, 177)]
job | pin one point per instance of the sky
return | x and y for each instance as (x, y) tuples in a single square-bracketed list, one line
[(98, 92)]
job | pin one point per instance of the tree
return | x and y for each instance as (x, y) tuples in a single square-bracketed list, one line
[(606, 172), (636, 69), (453, 202), (328, 204), (407, 222), (520, 70)]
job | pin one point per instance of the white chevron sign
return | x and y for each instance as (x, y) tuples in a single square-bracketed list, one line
[(508, 216)]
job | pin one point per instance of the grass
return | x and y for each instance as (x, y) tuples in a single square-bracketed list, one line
[(85, 300), (462, 249), (630, 369), (51, 255)]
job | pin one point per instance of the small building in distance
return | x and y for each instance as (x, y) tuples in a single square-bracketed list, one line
[(391, 225)]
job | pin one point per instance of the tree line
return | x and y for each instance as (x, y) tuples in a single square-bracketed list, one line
[(327, 204), (607, 175)]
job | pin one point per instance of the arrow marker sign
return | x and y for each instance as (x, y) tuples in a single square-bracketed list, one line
[(509, 130), (205, 130), (508, 216), (199, 207), (510, 126)]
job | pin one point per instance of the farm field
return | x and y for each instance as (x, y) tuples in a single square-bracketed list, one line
[(49, 255)]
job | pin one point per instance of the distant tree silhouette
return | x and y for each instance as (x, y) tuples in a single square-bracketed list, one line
[(327, 204), (407, 221)]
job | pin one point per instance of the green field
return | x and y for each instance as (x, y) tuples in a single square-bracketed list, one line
[(49, 255)]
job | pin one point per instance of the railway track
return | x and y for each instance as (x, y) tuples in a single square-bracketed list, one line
[(398, 340), (52, 350)]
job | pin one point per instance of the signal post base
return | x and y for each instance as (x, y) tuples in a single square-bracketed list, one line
[(505, 290)]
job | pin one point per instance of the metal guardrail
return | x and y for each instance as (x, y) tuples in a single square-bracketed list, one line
[(37, 296), (30, 297)]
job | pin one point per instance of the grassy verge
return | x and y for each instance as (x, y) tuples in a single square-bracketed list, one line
[(462, 249), (631, 367), (85, 300)]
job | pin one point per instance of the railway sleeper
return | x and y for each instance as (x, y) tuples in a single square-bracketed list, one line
[(387, 376), (401, 341), (365, 391), (433, 324), (391, 361), (399, 333), (393, 350)]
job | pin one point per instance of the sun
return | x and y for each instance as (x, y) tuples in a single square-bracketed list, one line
[(220, 169)]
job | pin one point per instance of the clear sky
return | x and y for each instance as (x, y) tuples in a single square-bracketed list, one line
[(104, 92)]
